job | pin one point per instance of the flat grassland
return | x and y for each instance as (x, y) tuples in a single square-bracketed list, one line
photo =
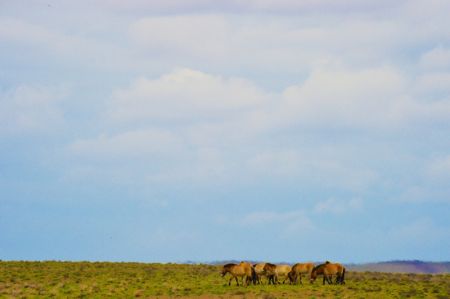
[(129, 280)]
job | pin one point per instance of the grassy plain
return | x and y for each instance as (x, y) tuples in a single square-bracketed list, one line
[(130, 280)]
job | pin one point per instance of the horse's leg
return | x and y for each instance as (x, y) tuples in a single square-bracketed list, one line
[(229, 281), (326, 278), (237, 281), (300, 278), (293, 280)]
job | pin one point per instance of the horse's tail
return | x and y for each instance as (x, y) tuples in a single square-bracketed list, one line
[(343, 275)]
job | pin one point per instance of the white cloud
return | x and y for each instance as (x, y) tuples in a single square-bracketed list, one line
[(367, 98), (269, 43), (346, 98), (27, 109), (193, 122), (184, 95)]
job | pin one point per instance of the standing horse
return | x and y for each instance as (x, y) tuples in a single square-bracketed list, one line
[(259, 272), (243, 269), (339, 270), (299, 269), (273, 272), (328, 270)]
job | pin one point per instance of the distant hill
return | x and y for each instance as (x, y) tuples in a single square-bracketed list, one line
[(403, 267)]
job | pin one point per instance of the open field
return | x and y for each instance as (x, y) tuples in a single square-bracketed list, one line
[(128, 280)]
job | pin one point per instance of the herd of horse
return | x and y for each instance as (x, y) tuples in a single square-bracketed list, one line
[(275, 273)]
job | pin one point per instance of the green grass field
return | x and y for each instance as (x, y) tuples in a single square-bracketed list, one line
[(127, 280)]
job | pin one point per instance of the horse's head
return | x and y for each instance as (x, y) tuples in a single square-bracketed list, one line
[(223, 272), (313, 275), (292, 276), (226, 268)]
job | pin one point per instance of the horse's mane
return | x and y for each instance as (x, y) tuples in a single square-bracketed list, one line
[(229, 265), (319, 266)]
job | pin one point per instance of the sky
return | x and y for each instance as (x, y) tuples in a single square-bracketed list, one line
[(200, 130)]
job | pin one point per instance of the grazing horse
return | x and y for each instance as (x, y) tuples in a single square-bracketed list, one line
[(328, 270), (273, 272), (259, 272), (243, 269), (299, 269)]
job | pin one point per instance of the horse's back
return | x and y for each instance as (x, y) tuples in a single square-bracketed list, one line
[(259, 268), (269, 268), (303, 267), (333, 268), (246, 268), (283, 269)]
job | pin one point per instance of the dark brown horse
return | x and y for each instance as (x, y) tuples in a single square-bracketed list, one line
[(243, 269), (328, 270)]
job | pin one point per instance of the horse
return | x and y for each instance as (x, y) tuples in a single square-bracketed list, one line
[(243, 269), (328, 270), (273, 272), (254, 278), (299, 269), (259, 272)]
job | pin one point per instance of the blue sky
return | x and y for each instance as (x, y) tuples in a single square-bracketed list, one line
[(211, 130)]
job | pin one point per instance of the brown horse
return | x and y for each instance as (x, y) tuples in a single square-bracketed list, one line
[(273, 272), (259, 272), (299, 269), (328, 270), (243, 269)]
